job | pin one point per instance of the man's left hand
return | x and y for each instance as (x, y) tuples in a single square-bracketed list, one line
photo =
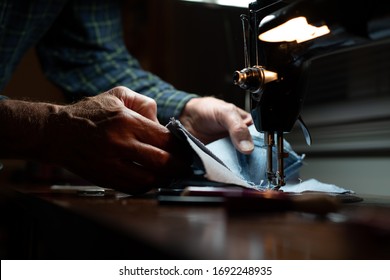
[(209, 119)]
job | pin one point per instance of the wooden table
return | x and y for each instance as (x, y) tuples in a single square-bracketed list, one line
[(40, 224)]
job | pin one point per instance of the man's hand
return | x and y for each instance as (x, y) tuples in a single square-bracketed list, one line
[(209, 119), (112, 139), (115, 140)]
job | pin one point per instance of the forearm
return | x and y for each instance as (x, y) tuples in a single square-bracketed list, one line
[(95, 59), (22, 128)]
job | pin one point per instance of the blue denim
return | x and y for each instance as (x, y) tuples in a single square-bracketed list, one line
[(252, 168), (247, 169)]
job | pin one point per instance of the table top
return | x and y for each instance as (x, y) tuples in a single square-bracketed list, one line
[(75, 226)]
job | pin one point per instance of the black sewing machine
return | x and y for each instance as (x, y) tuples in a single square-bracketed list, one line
[(281, 38)]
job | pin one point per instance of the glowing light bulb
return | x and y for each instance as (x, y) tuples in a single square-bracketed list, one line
[(296, 29)]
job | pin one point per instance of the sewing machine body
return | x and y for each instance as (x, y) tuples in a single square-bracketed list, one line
[(276, 104)]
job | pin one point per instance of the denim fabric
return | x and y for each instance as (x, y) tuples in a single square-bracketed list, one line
[(252, 168), (221, 162)]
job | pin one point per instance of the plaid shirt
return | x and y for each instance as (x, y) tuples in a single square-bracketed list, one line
[(81, 49)]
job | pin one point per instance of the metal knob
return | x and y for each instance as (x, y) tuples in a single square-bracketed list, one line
[(253, 78)]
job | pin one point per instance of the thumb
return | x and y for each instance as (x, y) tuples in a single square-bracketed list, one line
[(237, 125)]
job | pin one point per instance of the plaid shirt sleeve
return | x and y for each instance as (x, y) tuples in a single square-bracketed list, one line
[(84, 54)]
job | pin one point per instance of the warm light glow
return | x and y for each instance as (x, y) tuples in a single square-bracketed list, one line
[(296, 29), (233, 3)]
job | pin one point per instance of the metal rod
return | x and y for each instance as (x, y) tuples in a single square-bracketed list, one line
[(281, 156), (244, 20), (269, 142)]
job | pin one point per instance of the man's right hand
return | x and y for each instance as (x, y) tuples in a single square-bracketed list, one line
[(113, 140)]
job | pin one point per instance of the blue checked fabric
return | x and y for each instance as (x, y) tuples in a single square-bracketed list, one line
[(81, 50)]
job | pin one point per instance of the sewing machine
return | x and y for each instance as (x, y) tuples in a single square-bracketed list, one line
[(281, 38)]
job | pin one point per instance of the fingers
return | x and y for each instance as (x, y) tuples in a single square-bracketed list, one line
[(209, 119), (236, 121), (150, 145), (133, 168), (245, 116), (142, 104), (116, 141), (132, 129), (160, 161)]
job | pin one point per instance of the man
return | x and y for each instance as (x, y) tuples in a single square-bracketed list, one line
[(117, 138)]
